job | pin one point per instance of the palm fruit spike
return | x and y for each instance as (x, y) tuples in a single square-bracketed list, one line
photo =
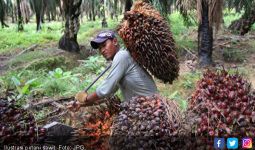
[(222, 106), (148, 38), (145, 123), (17, 126)]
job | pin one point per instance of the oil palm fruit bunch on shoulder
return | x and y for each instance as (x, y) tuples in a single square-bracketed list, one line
[(223, 105), (148, 38), (17, 126), (145, 122)]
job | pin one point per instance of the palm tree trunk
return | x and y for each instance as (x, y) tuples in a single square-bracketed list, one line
[(69, 40), (13, 14), (44, 5), (93, 11), (11, 10), (244, 24), (128, 5), (61, 11), (205, 38), (38, 8), (48, 11), (20, 25), (25, 10), (2, 14), (90, 16), (115, 9)]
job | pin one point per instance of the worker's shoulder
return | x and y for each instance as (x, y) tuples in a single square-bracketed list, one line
[(123, 54)]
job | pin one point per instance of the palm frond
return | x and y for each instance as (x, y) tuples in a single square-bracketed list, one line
[(2, 13)]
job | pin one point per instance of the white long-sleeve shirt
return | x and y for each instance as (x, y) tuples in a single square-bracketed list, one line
[(127, 75)]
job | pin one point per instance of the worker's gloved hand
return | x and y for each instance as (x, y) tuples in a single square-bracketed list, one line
[(81, 97), (74, 106)]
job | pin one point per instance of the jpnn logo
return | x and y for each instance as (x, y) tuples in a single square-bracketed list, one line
[(232, 143), (246, 143), (219, 143)]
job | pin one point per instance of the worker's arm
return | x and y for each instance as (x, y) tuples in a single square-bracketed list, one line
[(118, 69), (109, 85)]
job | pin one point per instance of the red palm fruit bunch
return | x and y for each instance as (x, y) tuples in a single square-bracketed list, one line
[(148, 38), (145, 122), (222, 105), (94, 127), (17, 126)]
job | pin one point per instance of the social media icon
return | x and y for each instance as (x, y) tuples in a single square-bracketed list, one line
[(246, 143), (219, 143), (232, 143)]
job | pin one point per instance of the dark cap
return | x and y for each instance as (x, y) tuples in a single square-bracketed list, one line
[(101, 38)]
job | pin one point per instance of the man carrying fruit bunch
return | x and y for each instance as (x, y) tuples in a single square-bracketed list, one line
[(125, 74)]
